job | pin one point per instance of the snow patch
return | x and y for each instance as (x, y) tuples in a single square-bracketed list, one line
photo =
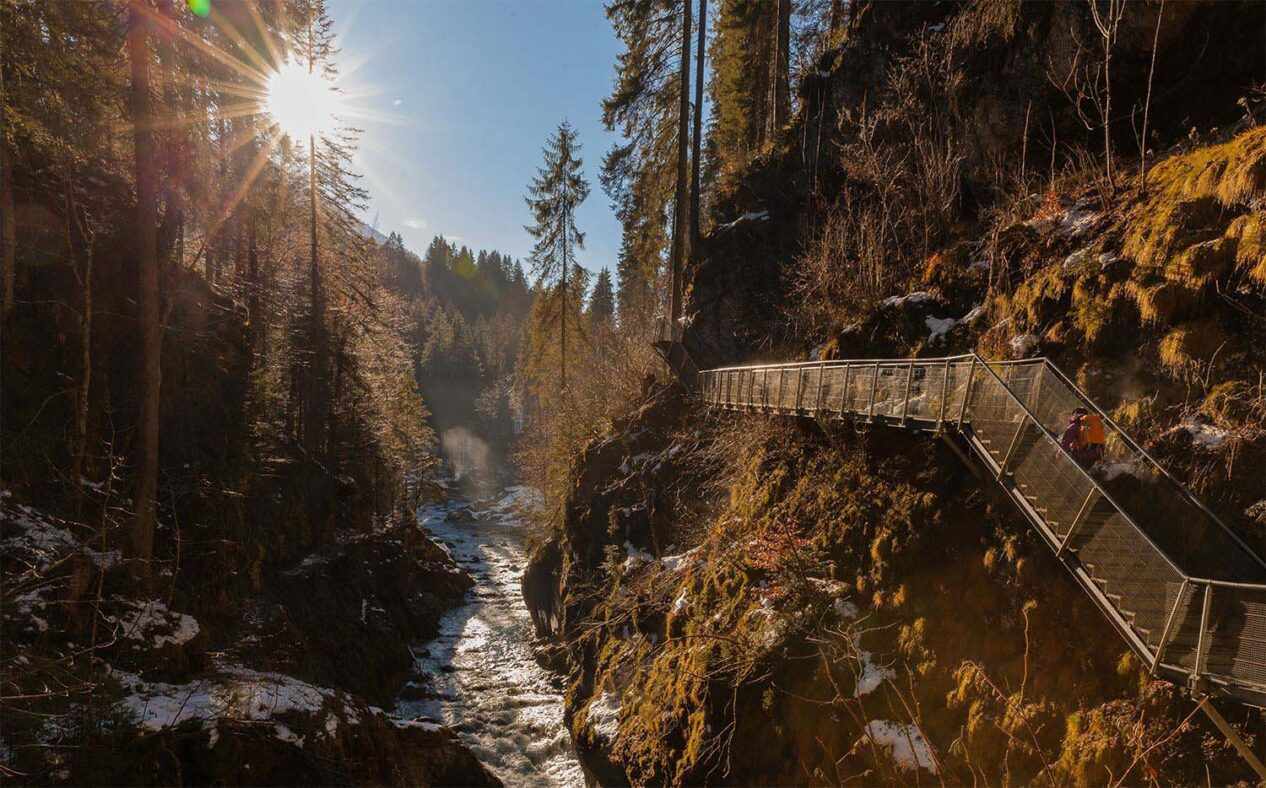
[(751, 216), (1023, 344), (909, 749), (604, 716), (635, 557), (238, 694), (917, 297), (1113, 470), (873, 675), (938, 327), (151, 621), (1206, 436)]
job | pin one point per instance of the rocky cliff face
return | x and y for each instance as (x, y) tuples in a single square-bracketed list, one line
[(740, 599)]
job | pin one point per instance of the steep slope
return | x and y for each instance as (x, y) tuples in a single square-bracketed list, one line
[(736, 599)]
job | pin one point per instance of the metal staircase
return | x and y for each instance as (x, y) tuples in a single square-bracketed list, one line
[(1182, 589)]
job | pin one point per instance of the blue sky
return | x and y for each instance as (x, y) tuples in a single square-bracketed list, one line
[(467, 92)]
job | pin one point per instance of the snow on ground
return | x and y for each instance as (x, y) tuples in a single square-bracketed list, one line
[(1024, 344), (1075, 221), (1113, 470), (917, 297), (1206, 436), (635, 557), (604, 716), (909, 749), (873, 675), (751, 216), (938, 327), (515, 502), (40, 536), (151, 621), (674, 562), (237, 693)]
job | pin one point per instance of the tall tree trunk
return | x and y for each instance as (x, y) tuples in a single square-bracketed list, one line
[(780, 84), (78, 244), (562, 337), (142, 536), (680, 208), (314, 421), (697, 142), (8, 222)]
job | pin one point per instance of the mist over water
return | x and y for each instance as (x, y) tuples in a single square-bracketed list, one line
[(483, 681), (469, 457)]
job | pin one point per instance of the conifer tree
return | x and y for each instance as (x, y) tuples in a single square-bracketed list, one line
[(142, 542), (553, 196), (602, 300)]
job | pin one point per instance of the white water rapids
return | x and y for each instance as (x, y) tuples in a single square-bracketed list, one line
[(481, 678)]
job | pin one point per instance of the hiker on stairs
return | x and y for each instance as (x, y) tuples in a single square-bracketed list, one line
[(1084, 438)]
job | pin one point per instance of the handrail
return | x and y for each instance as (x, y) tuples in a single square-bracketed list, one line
[(1120, 509), (1133, 445), (1138, 625)]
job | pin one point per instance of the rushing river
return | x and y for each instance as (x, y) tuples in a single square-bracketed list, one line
[(481, 678)]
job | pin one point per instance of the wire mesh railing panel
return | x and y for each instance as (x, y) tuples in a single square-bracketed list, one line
[(1060, 490), (1236, 634), (1184, 631), (1132, 573), (1123, 517), (1179, 527), (888, 391), (927, 386)]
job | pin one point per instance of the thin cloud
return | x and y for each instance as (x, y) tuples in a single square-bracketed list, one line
[(397, 102), (415, 224)]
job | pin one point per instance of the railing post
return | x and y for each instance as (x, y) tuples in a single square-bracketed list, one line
[(905, 403), (1086, 506), (940, 416), (1015, 440), (817, 405), (1169, 625), (874, 381), (845, 391), (764, 384), (799, 387), (1202, 644), (971, 373), (782, 385)]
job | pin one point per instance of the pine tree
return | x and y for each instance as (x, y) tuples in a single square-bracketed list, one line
[(553, 196), (142, 546), (646, 107), (602, 300)]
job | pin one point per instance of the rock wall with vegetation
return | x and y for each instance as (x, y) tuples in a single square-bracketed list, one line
[(752, 600)]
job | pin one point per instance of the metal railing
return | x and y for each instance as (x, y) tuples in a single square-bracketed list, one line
[(1185, 591)]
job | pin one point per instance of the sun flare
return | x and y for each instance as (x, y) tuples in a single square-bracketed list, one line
[(301, 102)]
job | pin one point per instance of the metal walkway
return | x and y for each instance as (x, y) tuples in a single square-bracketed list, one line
[(1181, 588)]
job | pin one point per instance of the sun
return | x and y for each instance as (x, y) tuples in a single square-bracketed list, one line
[(301, 102)]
